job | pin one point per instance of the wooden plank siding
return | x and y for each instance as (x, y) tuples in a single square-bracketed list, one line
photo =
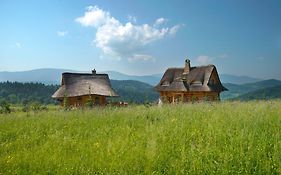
[(175, 97), (80, 101)]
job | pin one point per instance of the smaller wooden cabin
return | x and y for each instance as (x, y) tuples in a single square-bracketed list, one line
[(190, 84), (78, 89)]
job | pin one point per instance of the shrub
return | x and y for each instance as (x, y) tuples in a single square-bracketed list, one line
[(89, 103), (5, 107), (34, 106)]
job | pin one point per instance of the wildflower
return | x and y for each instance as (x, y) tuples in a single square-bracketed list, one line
[(97, 144)]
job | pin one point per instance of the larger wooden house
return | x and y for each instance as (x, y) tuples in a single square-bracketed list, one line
[(190, 84), (77, 89)]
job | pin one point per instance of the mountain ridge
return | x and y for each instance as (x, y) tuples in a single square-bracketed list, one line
[(261, 94), (53, 76), (238, 90)]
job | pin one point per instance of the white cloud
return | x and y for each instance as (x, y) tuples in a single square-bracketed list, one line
[(160, 21), (132, 19), (94, 16), (137, 57), (174, 29), (204, 60), (62, 33), (123, 40)]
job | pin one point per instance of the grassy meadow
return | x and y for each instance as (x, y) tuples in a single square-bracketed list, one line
[(204, 138)]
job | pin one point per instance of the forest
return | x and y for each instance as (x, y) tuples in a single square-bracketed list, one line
[(19, 93), (22, 93)]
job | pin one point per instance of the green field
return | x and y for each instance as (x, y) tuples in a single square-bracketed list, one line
[(205, 138)]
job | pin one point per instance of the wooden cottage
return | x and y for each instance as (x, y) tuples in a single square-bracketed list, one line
[(190, 84), (77, 89)]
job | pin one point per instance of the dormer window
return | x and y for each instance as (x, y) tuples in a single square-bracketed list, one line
[(166, 83), (196, 83)]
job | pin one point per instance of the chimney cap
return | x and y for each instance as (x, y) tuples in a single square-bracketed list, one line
[(94, 71), (187, 60)]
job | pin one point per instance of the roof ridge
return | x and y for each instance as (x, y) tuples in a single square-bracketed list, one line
[(175, 68), (202, 66), (209, 65), (72, 73)]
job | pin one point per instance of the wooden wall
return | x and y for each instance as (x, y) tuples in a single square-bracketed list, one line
[(79, 101), (174, 97)]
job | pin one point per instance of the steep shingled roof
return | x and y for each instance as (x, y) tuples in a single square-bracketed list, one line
[(196, 80), (77, 84)]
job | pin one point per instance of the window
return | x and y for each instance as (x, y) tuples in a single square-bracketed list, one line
[(196, 83), (79, 101), (97, 100), (166, 83)]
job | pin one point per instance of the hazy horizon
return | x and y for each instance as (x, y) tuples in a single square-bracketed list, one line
[(160, 74), (241, 38)]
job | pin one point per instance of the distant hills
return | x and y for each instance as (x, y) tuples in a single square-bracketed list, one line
[(46, 76), (128, 90), (134, 91), (149, 79), (140, 88), (234, 79), (16, 93), (261, 94), (53, 76), (236, 91)]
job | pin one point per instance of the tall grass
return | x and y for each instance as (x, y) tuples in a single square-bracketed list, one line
[(206, 138)]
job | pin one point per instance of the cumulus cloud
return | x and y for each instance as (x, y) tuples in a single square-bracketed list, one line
[(160, 21), (123, 40), (62, 33), (204, 60), (174, 29), (132, 19), (94, 16)]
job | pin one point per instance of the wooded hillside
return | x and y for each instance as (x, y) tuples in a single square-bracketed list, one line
[(128, 90)]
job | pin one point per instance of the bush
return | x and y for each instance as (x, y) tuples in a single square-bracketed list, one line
[(89, 103), (25, 106), (5, 107), (34, 106)]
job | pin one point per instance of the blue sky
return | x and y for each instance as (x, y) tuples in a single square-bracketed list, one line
[(142, 37)]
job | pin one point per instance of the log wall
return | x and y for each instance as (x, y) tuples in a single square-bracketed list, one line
[(174, 97), (80, 101)]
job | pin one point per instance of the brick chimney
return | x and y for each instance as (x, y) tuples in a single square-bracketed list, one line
[(186, 69), (94, 72)]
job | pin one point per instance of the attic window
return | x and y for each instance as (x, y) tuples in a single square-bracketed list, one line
[(166, 83), (196, 83)]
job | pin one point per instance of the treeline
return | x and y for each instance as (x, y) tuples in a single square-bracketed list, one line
[(23, 93), (26, 93), (134, 91)]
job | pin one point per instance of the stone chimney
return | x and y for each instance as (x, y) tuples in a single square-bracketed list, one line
[(186, 67), (94, 72)]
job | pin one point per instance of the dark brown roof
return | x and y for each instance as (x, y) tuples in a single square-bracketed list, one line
[(77, 84), (196, 80)]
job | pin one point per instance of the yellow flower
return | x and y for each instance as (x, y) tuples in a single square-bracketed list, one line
[(97, 144), (9, 158)]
